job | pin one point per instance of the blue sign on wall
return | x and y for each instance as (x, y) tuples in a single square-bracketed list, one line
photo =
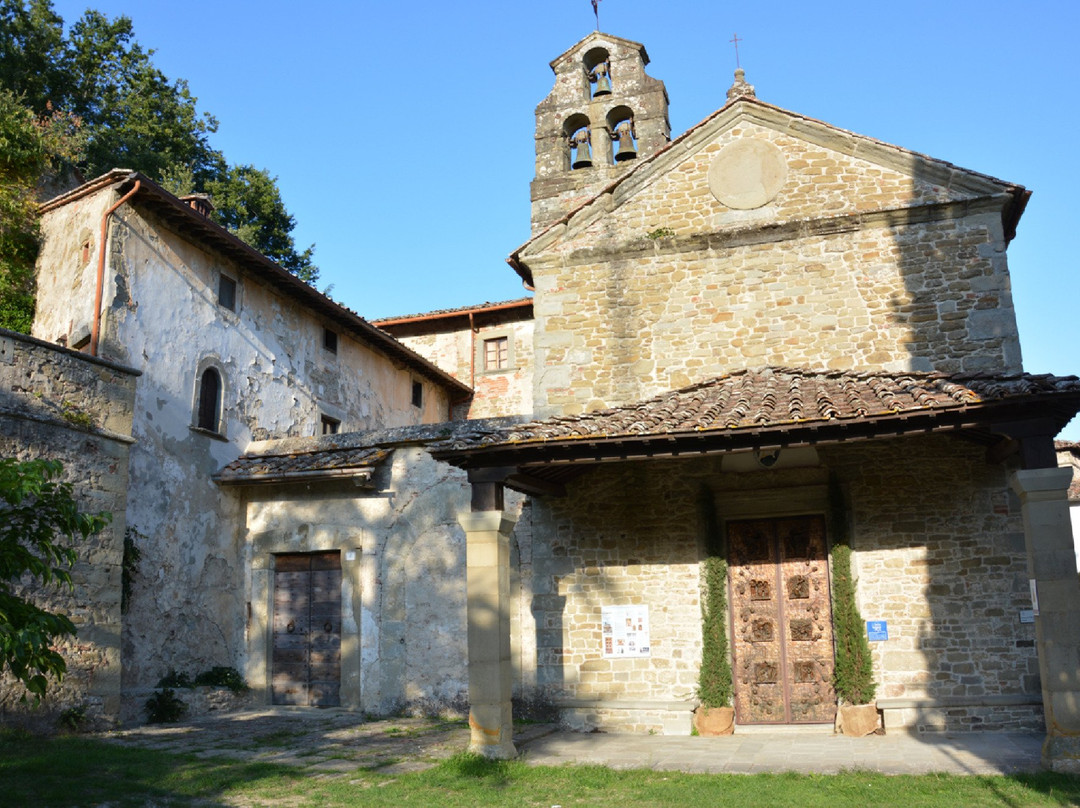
[(877, 630)]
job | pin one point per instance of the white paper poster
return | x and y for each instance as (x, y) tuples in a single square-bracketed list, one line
[(626, 631)]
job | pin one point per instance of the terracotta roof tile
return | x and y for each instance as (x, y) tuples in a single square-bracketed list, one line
[(324, 462), (773, 397)]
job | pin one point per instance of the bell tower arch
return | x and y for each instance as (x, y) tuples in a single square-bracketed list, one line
[(603, 115)]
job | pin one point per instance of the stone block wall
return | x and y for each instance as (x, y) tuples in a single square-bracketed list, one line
[(939, 554), (60, 405), (504, 391), (866, 258)]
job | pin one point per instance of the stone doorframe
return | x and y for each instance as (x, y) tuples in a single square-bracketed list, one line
[(264, 547)]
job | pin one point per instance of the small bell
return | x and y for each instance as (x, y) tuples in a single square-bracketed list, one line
[(579, 141), (599, 74), (625, 134)]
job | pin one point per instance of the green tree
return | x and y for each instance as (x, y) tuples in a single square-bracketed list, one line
[(31, 150), (853, 674), (247, 202), (39, 524), (133, 116)]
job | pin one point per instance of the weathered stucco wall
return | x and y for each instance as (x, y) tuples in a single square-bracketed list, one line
[(939, 552), (403, 563), (162, 315), (504, 391), (59, 405), (851, 265)]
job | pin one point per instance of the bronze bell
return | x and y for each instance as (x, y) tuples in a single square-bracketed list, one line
[(626, 149), (603, 85), (579, 141), (625, 134), (582, 159)]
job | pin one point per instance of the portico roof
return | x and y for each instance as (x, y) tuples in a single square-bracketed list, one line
[(772, 408)]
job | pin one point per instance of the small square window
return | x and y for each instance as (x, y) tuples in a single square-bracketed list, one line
[(329, 340), (330, 426), (85, 252), (226, 294), (497, 353), (417, 394)]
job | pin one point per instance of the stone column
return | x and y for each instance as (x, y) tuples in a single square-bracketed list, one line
[(1052, 565), (487, 536)]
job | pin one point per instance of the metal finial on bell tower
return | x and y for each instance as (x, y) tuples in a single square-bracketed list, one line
[(596, 12)]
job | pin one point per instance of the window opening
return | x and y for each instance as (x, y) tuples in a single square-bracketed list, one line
[(208, 415), (86, 252), (496, 353), (329, 340), (330, 426), (227, 292), (417, 394)]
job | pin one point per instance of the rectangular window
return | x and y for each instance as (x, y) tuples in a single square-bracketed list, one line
[(226, 294), (330, 426), (329, 340), (497, 353), (417, 394)]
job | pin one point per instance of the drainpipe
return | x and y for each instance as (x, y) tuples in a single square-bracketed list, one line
[(99, 291), (472, 352)]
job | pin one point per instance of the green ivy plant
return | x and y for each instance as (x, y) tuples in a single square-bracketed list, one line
[(714, 677), (853, 677), (164, 707)]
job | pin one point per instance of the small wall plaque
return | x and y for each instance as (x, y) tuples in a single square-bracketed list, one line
[(350, 555), (1027, 615), (877, 630)]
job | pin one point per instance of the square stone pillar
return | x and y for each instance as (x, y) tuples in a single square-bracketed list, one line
[(1052, 565), (487, 558)]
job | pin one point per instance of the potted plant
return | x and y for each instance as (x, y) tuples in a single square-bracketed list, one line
[(714, 715), (853, 681)]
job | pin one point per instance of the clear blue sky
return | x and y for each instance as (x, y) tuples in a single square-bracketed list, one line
[(402, 132)]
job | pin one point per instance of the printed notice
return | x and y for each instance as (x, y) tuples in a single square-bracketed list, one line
[(626, 631)]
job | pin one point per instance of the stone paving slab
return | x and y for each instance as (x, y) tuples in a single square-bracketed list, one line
[(338, 742)]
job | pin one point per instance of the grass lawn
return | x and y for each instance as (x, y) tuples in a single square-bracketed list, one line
[(80, 771)]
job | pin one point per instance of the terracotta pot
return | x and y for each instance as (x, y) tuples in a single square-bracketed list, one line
[(712, 721), (858, 720)]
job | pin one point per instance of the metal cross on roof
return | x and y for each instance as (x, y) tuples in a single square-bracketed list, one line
[(736, 40)]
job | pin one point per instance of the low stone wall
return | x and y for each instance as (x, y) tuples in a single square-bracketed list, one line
[(62, 405)]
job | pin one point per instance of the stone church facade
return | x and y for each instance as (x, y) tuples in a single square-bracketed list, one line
[(766, 334)]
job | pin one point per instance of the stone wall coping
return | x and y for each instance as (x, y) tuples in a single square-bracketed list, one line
[(24, 415), (52, 346), (626, 704), (1003, 700)]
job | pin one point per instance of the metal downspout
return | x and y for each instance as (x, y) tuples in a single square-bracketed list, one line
[(95, 329)]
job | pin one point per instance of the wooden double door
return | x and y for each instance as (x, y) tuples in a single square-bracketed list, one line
[(782, 643), (306, 653)]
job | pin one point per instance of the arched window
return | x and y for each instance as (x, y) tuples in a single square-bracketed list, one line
[(208, 406), (620, 122), (597, 65), (578, 141)]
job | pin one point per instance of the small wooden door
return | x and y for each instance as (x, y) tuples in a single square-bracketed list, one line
[(782, 614), (306, 656)]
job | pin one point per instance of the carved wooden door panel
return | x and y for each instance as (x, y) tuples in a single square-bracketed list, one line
[(306, 655), (782, 614)]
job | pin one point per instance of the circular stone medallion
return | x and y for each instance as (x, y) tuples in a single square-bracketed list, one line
[(747, 174)]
